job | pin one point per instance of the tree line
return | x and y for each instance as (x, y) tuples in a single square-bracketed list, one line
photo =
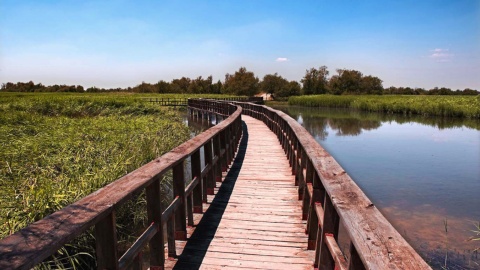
[(245, 83)]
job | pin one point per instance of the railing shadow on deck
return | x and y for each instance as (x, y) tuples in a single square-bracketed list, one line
[(197, 245)]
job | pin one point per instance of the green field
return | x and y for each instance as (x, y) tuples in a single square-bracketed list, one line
[(451, 106), (58, 148)]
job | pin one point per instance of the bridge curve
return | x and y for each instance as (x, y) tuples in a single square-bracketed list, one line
[(323, 197)]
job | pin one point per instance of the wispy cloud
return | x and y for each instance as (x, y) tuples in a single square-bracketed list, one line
[(281, 59), (441, 55)]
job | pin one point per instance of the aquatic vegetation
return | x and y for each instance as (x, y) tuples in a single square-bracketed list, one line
[(451, 106)]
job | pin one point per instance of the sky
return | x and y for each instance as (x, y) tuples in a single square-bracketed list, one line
[(121, 43)]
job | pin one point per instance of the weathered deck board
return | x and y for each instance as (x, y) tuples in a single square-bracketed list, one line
[(255, 220)]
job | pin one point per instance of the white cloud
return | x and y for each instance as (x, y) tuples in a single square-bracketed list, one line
[(441, 55), (282, 59)]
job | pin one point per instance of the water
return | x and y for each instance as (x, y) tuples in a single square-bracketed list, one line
[(422, 173)]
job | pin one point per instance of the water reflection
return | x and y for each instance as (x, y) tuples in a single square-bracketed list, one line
[(351, 122), (419, 171)]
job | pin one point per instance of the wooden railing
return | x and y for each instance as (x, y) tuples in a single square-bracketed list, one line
[(41, 239), (329, 197)]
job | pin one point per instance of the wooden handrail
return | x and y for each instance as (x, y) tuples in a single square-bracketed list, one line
[(330, 195), (39, 240)]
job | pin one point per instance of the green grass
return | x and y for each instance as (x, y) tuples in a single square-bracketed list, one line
[(58, 148), (451, 106)]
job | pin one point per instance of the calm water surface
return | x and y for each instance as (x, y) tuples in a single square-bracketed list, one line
[(422, 173)]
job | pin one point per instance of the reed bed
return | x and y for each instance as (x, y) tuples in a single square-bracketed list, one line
[(58, 148), (450, 106)]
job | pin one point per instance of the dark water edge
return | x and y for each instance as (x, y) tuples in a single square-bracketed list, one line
[(420, 171)]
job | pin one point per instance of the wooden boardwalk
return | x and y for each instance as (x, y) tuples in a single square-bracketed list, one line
[(255, 219)]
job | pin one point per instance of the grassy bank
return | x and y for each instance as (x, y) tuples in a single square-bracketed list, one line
[(58, 148), (452, 106)]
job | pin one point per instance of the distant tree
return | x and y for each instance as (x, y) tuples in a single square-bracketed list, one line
[(180, 85), (242, 83), (371, 85), (315, 81), (347, 81), (468, 91), (93, 89), (217, 88), (144, 88), (272, 84), (440, 91), (162, 87), (292, 88), (200, 85)]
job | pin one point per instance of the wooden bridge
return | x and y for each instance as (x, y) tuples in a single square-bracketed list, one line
[(266, 196), (183, 102)]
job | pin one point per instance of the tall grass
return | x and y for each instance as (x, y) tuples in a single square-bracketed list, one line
[(57, 149), (452, 106)]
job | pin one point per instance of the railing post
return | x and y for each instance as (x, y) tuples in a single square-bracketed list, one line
[(179, 190), (106, 243), (354, 263), (197, 191), (294, 159), (223, 146), (318, 196), (331, 222), (172, 251), (210, 183), (231, 151), (306, 195), (154, 212), (218, 166)]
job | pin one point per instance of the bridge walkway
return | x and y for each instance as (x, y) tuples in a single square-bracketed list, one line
[(255, 219)]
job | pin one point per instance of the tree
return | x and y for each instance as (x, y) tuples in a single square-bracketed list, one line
[(144, 88), (347, 81), (315, 81), (200, 85), (292, 88), (272, 84), (371, 85), (242, 83), (180, 85), (162, 87), (217, 88)]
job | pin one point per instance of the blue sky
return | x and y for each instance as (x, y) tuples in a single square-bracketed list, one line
[(122, 43)]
